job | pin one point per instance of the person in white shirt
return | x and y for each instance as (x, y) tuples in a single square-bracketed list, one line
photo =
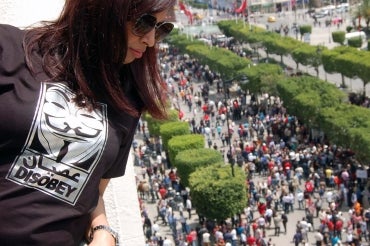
[(243, 239), (169, 212), (234, 236), (305, 227), (189, 206), (261, 222), (268, 216), (155, 228), (286, 202), (329, 197), (319, 238), (300, 198), (206, 239), (248, 213), (219, 235), (167, 242)]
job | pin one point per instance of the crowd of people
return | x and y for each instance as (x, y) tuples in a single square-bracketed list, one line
[(288, 166)]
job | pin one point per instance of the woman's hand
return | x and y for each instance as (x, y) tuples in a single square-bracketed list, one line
[(100, 236)]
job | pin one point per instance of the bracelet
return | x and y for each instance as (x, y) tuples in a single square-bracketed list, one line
[(105, 228)]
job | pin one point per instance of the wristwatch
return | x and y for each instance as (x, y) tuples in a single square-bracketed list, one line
[(105, 228)]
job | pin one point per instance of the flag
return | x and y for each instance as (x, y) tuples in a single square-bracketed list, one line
[(242, 7), (186, 12)]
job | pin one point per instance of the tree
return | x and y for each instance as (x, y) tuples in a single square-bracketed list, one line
[(339, 37), (171, 129), (362, 12), (281, 46), (305, 29), (262, 78), (216, 193), (306, 96), (348, 126), (154, 124), (308, 55), (188, 161), (184, 142), (355, 42)]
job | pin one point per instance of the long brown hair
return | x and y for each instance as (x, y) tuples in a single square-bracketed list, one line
[(86, 47)]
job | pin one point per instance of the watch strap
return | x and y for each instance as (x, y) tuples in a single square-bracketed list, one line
[(105, 228)]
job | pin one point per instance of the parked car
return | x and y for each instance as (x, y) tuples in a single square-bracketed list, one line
[(271, 19), (320, 14)]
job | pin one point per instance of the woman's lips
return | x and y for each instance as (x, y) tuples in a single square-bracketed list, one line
[(137, 53)]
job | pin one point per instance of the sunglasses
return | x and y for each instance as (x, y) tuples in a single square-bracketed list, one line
[(147, 23)]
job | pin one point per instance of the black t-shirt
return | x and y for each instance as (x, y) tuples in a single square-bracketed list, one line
[(52, 153)]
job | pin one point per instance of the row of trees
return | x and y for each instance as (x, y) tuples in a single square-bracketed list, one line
[(315, 102), (347, 61)]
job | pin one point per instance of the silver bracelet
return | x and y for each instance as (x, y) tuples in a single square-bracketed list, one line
[(105, 228)]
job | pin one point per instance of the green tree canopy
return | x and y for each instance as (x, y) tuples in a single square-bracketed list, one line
[(188, 161), (154, 124), (171, 129), (184, 142), (216, 193), (310, 94)]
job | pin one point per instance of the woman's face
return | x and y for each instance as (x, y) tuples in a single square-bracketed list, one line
[(136, 45)]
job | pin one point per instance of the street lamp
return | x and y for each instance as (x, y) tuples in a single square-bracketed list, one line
[(243, 80)]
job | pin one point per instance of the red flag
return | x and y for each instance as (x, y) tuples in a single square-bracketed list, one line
[(242, 7), (186, 12), (182, 6)]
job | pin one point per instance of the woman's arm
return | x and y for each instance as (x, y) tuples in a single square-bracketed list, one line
[(101, 237)]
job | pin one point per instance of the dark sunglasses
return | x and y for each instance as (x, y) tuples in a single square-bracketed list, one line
[(147, 22)]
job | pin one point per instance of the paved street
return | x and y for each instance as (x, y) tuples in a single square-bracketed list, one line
[(283, 239)]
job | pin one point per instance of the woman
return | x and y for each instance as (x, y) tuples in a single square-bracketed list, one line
[(71, 94)]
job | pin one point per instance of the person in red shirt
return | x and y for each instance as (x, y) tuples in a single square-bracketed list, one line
[(262, 208), (173, 177), (193, 234), (264, 148), (287, 168), (181, 114), (338, 228), (205, 108), (251, 241), (309, 186), (254, 226), (330, 226), (240, 130), (249, 148), (189, 239), (337, 181), (163, 192)]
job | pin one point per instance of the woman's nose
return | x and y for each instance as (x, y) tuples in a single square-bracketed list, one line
[(149, 38)]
